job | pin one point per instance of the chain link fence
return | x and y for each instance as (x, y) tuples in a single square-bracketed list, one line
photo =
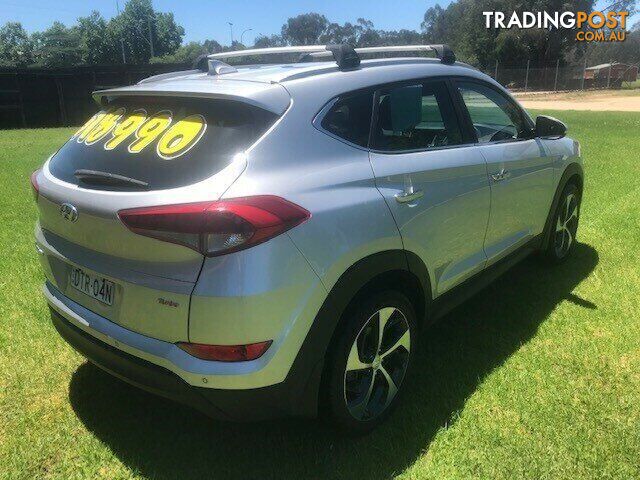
[(525, 78), (31, 98), (62, 97)]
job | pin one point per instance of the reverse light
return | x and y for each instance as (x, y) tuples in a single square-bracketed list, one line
[(217, 228), (226, 353), (35, 188)]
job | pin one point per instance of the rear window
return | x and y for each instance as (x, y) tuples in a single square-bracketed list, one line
[(350, 118), (161, 142)]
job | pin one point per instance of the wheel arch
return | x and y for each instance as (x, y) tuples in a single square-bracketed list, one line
[(573, 173), (391, 269)]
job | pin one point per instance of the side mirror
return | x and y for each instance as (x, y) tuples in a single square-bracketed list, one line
[(549, 127)]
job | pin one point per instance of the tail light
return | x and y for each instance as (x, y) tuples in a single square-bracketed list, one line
[(217, 228), (34, 184), (226, 353)]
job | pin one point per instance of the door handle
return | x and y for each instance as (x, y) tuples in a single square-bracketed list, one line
[(501, 175), (407, 197)]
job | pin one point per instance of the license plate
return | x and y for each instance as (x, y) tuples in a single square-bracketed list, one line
[(96, 287)]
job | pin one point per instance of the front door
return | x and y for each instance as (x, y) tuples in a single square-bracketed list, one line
[(520, 173), (434, 182)]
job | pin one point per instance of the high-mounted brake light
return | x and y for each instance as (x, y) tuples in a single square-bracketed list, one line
[(217, 228), (226, 353), (34, 184)]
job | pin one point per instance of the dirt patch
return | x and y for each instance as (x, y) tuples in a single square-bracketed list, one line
[(620, 100)]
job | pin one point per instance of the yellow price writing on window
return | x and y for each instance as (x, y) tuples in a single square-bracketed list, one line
[(150, 130), (84, 130), (117, 126), (181, 137), (125, 128), (104, 126)]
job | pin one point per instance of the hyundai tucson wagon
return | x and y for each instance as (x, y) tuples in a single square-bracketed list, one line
[(269, 240)]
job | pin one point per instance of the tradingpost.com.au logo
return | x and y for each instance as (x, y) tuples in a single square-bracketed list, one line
[(592, 26)]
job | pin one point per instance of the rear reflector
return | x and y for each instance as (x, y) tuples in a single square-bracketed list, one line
[(226, 353), (217, 228), (34, 184)]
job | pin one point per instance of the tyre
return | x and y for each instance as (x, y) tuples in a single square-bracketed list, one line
[(370, 361), (564, 226)]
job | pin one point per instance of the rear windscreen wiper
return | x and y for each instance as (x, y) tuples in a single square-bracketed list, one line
[(104, 178)]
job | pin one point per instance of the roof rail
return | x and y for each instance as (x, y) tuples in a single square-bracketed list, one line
[(443, 52), (345, 55)]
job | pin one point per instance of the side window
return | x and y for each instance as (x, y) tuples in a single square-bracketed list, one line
[(350, 118), (494, 116), (416, 117)]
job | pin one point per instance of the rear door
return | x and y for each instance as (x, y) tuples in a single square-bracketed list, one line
[(433, 179), (520, 172), (138, 152)]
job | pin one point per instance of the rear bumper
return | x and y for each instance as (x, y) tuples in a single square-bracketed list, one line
[(166, 370), (276, 401)]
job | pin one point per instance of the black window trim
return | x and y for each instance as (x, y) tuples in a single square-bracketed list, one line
[(319, 117), (469, 137), (455, 81)]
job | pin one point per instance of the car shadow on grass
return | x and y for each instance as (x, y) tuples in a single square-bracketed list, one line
[(156, 438)]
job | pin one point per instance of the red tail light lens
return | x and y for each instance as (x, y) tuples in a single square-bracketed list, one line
[(34, 184), (226, 353), (217, 228)]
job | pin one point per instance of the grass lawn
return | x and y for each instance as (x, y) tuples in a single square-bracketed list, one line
[(536, 377), (631, 85)]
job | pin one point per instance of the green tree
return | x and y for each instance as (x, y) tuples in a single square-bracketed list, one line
[(263, 41), (400, 37), (167, 34), (304, 29), (211, 46), (97, 43), (185, 54), (622, 52), (462, 26), (142, 29), (16, 48), (57, 46), (359, 34)]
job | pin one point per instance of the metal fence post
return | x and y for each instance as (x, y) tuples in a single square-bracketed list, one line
[(609, 74), (526, 78), (61, 105), (584, 72), (23, 117), (495, 73), (555, 82)]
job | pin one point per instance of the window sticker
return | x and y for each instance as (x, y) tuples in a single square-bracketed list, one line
[(150, 130), (84, 130), (104, 126), (181, 137), (137, 131), (126, 127)]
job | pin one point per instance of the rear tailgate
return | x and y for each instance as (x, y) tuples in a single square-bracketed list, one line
[(184, 150)]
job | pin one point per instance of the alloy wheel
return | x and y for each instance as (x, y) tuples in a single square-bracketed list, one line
[(566, 225), (377, 363)]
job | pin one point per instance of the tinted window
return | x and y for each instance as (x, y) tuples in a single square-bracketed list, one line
[(416, 117), (350, 118), (493, 115), (165, 142)]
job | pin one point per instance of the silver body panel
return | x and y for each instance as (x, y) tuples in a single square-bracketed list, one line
[(446, 226), (463, 222), (521, 202)]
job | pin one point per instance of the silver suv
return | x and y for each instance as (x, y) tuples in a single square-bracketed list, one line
[(268, 240)]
